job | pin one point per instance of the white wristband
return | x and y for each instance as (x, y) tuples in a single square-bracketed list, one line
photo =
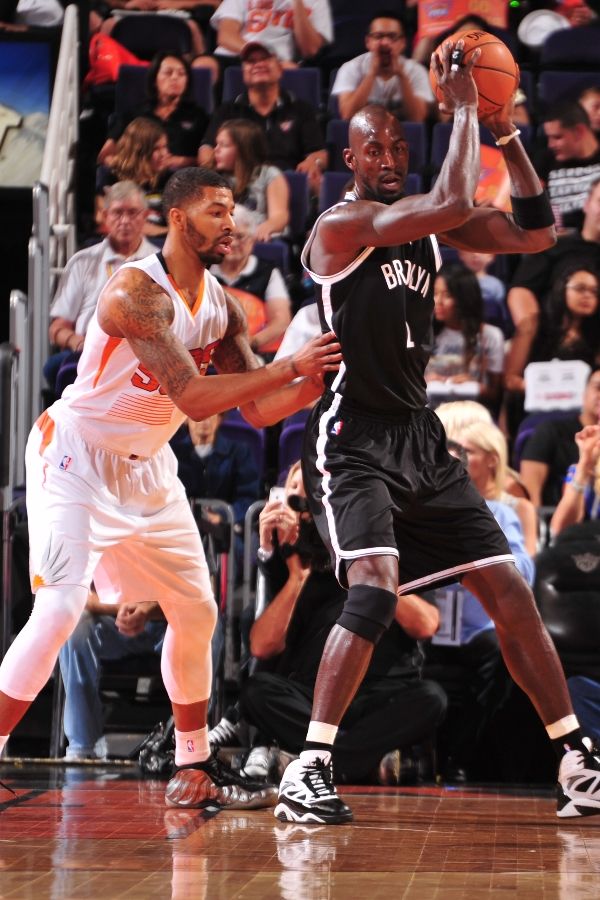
[(502, 141)]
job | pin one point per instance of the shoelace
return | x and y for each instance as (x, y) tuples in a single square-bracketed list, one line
[(319, 776), (222, 732)]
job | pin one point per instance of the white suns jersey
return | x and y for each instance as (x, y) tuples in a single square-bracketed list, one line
[(118, 403)]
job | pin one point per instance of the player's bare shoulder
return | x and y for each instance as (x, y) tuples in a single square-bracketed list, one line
[(339, 235), (133, 305)]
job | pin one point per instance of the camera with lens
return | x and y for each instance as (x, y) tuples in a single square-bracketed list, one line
[(309, 546)]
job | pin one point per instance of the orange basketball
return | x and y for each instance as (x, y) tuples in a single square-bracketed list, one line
[(496, 73)]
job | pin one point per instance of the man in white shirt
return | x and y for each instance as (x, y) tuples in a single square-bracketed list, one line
[(87, 272), (383, 75), (293, 29)]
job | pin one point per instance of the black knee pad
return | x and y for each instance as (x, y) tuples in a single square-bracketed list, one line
[(368, 611)]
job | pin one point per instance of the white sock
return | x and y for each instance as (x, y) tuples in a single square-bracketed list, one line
[(191, 746), (321, 732), (563, 726), (3, 742)]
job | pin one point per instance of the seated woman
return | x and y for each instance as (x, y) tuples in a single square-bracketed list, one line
[(581, 495), (142, 157), (570, 319), (171, 104), (468, 353), (487, 456), (569, 325), (456, 416), (258, 285), (241, 154)]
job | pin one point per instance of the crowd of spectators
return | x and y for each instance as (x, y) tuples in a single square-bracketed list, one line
[(493, 317)]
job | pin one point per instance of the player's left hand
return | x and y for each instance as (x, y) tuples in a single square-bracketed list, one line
[(321, 354)]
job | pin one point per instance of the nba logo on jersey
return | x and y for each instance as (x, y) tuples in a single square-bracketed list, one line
[(337, 427), (65, 462), (190, 746)]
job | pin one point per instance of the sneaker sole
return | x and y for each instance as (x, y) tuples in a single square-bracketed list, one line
[(570, 808), (286, 813)]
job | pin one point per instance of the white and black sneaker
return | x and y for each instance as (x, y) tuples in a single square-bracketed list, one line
[(307, 795), (578, 789)]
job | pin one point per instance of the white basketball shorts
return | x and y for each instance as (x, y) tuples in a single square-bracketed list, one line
[(123, 523)]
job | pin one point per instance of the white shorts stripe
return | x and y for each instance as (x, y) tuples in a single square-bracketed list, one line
[(326, 476), (454, 571)]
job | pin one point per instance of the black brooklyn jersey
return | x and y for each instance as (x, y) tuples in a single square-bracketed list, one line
[(380, 307)]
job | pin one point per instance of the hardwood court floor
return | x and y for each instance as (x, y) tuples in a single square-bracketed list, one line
[(86, 832)]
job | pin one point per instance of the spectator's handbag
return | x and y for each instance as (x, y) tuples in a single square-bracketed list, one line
[(106, 58)]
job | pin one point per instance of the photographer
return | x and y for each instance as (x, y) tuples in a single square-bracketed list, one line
[(393, 708)]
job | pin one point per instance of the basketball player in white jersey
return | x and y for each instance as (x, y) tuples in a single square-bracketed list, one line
[(103, 497), (396, 510)]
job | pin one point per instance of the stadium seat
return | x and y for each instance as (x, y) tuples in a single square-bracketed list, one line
[(567, 592), (66, 375), (146, 35), (303, 83), (554, 86), (235, 427), (526, 429), (130, 91), (299, 202), (336, 137), (572, 48), (290, 446), (416, 135), (276, 252), (332, 185)]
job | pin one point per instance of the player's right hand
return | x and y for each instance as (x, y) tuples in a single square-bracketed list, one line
[(455, 82), (321, 354)]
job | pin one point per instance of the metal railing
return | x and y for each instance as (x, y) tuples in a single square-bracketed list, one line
[(52, 239), (8, 504)]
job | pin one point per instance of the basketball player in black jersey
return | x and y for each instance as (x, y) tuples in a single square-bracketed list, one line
[(393, 506)]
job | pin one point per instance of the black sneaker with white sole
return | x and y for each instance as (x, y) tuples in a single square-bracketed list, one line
[(215, 784), (307, 795), (578, 789)]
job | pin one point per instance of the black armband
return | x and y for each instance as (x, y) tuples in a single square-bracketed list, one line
[(532, 212)]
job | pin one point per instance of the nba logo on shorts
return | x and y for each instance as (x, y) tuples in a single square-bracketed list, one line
[(190, 746), (337, 427), (66, 462)]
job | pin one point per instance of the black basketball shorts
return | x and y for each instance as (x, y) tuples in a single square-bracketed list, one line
[(381, 488)]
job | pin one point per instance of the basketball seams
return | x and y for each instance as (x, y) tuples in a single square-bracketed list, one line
[(495, 65)]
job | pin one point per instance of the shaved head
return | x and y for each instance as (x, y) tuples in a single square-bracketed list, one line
[(378, 154), (370, 119)]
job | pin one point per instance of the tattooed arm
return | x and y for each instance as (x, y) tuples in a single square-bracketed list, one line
[(235, 355), (135, 308)]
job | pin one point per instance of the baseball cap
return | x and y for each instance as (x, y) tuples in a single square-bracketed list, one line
[(251, 46)]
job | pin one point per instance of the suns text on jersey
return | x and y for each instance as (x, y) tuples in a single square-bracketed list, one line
[(403, 271)]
